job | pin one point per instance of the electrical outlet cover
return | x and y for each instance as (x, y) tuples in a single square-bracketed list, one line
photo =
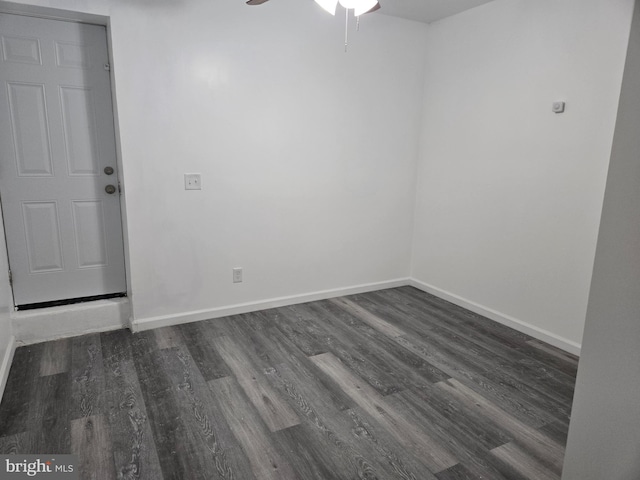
[(237, 275), (192, 181)]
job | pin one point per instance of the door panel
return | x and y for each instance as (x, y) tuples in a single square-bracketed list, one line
[(88, 219), (42, 236), (80, 136), (21, 50), (64, 232), (72, 55), (30, 129)]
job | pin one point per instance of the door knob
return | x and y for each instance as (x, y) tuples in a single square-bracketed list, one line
[(110, 189), (108, 170)]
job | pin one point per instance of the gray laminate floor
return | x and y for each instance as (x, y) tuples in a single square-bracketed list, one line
[(395, 384)]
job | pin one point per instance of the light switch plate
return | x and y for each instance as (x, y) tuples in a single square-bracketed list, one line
[(192, 181)]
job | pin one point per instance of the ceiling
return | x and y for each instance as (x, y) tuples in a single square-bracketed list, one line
[(427, 10)]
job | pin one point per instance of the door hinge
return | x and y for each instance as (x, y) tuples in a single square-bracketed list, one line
[(107, 67), (119, 188)]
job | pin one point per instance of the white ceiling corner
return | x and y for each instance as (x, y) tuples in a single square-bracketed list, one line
[(427, 11)]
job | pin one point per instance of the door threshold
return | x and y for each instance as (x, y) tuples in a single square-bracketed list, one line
[(44, 324), (71, 301)]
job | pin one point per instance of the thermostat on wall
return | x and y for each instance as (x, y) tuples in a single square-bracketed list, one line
[(558, 107)]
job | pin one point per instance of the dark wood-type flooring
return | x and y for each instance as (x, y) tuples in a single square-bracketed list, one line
[(395, 384)]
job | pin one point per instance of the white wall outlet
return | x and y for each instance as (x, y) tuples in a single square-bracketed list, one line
[(558, 107), (192, 181), (237, 275)]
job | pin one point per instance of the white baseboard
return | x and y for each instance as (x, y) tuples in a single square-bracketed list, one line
[(44, 324), (195, 316), (524, 327), (41, 325), (5, 366)]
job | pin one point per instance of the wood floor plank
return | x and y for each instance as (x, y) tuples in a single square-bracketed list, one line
[(464, 369), (374, 375), (406, 368), (319, 431), (420, 309), (134, 449), (486, 351), (248, 428), (301, 370), (268, 348), (168, 337), (274, 411), (549, 400), (535, 441), (171, 440), (260, 320), (480, 355), (341, 441), (417, 304), (87, 396), (480, 324), (393, 384), (257, 345), (20, 390), (204, 419), (460, 472), (436, 456), (91, 441), (191, 435), (313, 463), (466, 437), (49, 422), (56, 357), (515, 459), (452, 419), (143, 343), (15, 444), (564, 358), (557, 431), (198, 339), (394, 458), (294, 323), (369, 318)]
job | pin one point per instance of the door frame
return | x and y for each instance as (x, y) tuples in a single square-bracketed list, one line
[(104, 21)]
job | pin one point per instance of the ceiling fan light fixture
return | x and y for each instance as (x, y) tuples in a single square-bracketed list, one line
[(363, 6), (350, 4), (328, 5)]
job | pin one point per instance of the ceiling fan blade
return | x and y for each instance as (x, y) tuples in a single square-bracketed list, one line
[(365, 6), (256, 2), (375, 8)]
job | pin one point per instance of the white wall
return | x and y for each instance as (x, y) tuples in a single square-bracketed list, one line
[(307, 154), (509, 193), (7, 341), (604, 436)]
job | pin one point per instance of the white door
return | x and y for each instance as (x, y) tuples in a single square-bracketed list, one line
[(57, 156)]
